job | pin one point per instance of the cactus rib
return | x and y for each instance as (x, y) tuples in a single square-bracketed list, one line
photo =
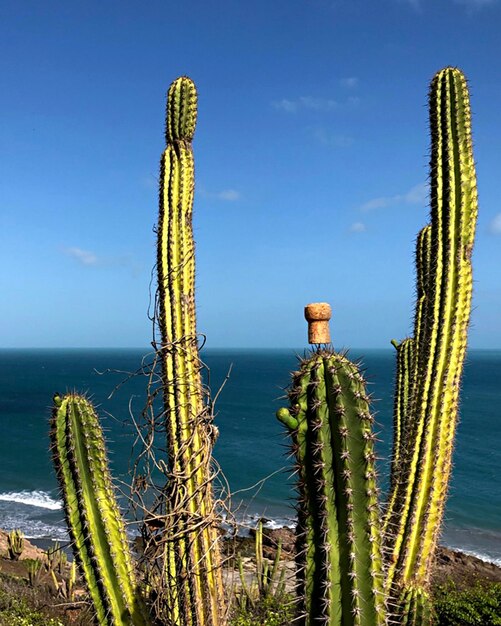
[(97, 530)]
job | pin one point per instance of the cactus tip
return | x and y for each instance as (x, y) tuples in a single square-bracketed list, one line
[(181, 110)]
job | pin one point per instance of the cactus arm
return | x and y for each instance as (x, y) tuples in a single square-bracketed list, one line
[(419, 499), (403, 388), (423, 274), (96, 527), (192, 547)]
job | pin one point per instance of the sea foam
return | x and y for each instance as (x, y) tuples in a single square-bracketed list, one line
[(40, 499)]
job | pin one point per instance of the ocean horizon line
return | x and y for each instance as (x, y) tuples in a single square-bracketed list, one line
[(218, 348)]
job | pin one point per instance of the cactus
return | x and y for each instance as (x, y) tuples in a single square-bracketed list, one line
[(192, 539), (444, 273), (56, 558), (269, 582), (340, 576), (33, 569), (15, 544), (96, 527), (429, 367), (403, 385), (190, 590)]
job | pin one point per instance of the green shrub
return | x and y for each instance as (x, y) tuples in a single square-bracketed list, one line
[(267, 612), (477, 606), (15, 611)]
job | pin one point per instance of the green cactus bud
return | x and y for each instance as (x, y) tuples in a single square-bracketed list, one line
[(181, 115)]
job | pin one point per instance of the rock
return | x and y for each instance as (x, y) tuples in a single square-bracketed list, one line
[(462, 569)]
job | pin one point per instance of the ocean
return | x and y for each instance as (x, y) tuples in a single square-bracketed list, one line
[(251, 448)]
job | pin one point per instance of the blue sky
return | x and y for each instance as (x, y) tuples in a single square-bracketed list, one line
[(311, 156)]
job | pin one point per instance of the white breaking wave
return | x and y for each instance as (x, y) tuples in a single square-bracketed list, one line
[(40, 499)]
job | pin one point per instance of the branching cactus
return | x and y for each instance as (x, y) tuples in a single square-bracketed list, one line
[(429, 368), (444, 275), (340, 575), (96, 527), (194, 589)]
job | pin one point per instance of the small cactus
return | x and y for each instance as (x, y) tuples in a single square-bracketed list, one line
[(269, 582), (97, 529), (33, 567), (15, 544)]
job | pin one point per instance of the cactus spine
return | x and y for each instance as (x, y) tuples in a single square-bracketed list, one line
[(339, 561), (192, 543), (444, 274), (92, 513)]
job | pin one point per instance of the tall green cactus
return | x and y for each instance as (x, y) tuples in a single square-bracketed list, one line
[(192, 556), (340, 578), (429, 367), (444, 272), (93, 517), (190, 592)]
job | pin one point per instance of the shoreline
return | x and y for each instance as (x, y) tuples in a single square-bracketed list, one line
[(451, 565)]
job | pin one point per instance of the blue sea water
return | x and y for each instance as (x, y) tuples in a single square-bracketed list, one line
[(251, 448)]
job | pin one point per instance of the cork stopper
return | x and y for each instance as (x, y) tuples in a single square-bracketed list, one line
[(318, 315)]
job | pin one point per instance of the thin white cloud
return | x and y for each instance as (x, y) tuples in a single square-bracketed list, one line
[(495, 225), (306, 102), (226, 195), (90, 259), (415, 195), (328, 138), (309, 103), (229, 195), (358, 227), (350, 82), (85, 257), (290, 106)]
